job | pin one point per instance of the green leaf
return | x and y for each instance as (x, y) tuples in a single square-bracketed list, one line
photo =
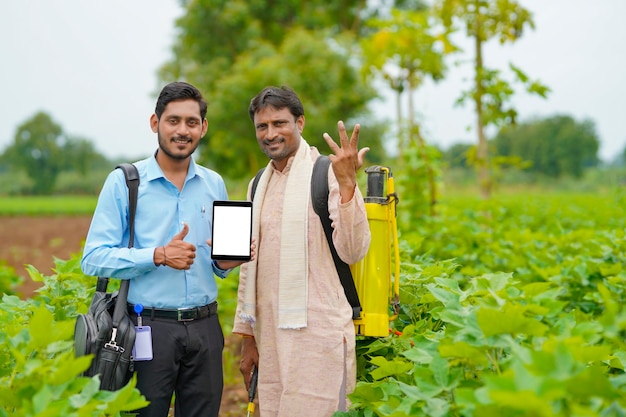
[(437, 407), (592, 382), (448, 298), (441, 371), (492, 282), (41, 328), (389, 368), (463, 350), (413, 392), (69, 368), (526, 402), (418, 355), (42, 399), (87, 395), (126, 398), (510, 320)]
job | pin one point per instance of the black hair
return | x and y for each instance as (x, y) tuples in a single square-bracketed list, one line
[(277, 98), (179, 90)]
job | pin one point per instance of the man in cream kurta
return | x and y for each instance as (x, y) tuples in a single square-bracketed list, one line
[(292, 310)]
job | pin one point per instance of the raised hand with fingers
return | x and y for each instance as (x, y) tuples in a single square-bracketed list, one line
[(346, 159)]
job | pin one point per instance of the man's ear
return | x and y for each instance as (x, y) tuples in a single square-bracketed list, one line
[(154, 122), (205, 127), (300, 123)]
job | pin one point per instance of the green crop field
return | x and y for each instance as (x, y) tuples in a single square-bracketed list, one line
[(509, 307), (45, 206)]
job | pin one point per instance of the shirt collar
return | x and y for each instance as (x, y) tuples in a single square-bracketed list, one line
[(154, 171)]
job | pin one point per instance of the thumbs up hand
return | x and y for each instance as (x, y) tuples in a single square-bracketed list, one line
[(177, 254), (181, 235)]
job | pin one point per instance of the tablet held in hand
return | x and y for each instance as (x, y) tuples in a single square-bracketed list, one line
[(231, 230)]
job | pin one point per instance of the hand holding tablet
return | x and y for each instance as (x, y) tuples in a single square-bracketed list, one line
[(231, 230)]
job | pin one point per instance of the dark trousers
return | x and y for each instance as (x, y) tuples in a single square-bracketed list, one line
[(187, 361)]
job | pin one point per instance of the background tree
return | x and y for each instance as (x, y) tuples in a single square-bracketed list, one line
[(202, 52), (318, 83), (309, 46), (456, 155), (403, 50), (37, 149), (555, 146), (238, 25), (80, 155), (483, 20), (44, 160)]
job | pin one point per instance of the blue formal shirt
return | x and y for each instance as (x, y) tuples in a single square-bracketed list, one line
[(161, 211)]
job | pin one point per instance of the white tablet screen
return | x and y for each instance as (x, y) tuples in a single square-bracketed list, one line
[(232, 230)]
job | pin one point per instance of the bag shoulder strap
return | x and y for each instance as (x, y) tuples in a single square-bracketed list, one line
[(132, 181), (319, 199)]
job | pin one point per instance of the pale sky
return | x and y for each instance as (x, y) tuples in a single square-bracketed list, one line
[(92, 66)]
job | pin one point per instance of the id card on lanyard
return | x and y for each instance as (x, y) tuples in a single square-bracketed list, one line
[(142, 350)]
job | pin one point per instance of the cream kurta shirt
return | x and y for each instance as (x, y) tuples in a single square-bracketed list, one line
[(306, 372)]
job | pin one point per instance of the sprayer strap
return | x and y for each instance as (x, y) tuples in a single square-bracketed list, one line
[(319, 198)]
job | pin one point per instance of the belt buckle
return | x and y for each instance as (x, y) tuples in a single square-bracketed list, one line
[(185, 314)]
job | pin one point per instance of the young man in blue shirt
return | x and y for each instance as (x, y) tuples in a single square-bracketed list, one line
[(170, 268)]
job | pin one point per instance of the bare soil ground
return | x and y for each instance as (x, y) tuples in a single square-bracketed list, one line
[(37, 240)]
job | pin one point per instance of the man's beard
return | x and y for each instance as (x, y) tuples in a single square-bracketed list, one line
[(162, 147), (282, 154)]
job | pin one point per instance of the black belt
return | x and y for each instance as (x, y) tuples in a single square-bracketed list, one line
[(180, 314)]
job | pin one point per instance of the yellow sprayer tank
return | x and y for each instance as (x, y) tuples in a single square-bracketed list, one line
[(376, 276)]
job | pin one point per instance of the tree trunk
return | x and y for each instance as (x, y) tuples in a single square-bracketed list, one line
[(482, 151), (415, 136), (399, 116)]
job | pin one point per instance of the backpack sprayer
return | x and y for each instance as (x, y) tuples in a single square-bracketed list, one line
[(373, 275), (368, 283)]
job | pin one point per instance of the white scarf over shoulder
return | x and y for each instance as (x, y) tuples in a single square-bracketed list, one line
[(294, 253)]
